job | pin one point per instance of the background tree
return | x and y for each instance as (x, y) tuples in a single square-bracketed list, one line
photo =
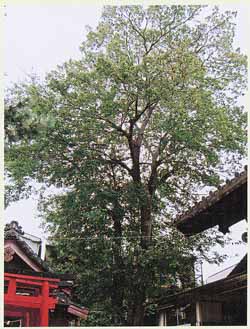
[(145, 118)]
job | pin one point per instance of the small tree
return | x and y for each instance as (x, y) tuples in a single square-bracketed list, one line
[(129, 131)]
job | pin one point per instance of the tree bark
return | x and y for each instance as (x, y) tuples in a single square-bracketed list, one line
[(117, 295), (138, 318), (136, 310), (146, 220)]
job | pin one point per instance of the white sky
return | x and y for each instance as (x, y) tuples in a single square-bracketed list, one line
[(37, 37)]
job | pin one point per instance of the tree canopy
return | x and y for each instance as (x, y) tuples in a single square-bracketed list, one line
[(129, 133)]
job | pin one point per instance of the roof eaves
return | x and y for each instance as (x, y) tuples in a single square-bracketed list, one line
[(213, 197), (14, 236)]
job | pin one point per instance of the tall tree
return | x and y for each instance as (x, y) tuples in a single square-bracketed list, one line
[(148, 115)]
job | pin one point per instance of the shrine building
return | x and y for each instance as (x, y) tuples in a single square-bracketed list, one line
[(222, 301), (34, 295)]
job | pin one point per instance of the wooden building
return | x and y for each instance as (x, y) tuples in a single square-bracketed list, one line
[(35, 296), (222, 302), (224, 207)]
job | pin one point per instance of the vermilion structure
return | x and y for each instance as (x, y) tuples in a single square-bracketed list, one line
[(35, 296), (29, 298)]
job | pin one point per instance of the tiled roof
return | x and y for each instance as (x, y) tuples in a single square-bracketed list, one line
[(65, 276), (14, 232), (186, 222), (215, 288)]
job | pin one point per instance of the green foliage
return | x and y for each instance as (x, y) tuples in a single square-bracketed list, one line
[(129, 131)]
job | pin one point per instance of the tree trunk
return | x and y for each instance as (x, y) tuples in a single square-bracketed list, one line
[(137, 306), (117, 303), (146, 221), (137, 309), (138, 319), (117, 295), (137, 297)]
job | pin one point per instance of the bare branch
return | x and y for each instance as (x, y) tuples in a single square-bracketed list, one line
[(150, 108)]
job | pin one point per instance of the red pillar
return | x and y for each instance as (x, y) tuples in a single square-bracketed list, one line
[(12, 287), (44, 310), (27, 319)]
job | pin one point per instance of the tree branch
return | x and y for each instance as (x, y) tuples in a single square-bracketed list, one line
[(150, 109), (113, 160)]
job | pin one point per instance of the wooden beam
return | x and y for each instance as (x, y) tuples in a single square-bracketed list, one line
[(12, 288), (198, 314), (27, 319), (22, 276), (44, 309), (28, 301)]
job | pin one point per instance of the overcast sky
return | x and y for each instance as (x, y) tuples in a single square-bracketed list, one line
[(38, 37)]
